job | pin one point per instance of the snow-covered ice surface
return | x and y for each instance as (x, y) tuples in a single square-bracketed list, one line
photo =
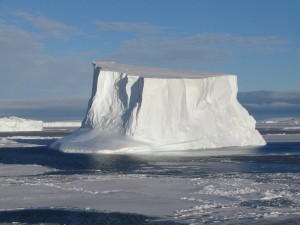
[(15, 124), (136, 109), (234, 185)]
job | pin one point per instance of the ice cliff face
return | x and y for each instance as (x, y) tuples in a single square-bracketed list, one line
[(134, 108)]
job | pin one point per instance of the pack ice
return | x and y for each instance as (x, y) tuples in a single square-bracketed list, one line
[(134, 109)]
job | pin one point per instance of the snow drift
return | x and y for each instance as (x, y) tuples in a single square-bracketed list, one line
[(138, 109), (15, 124)]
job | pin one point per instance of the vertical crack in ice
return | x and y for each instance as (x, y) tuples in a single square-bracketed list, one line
[(184, 109), (123, 96), (139, 97), (86, 121), (216, 113), (134, 102)]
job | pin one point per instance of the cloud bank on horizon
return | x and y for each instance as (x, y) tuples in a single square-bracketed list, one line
[(260, 104), (47, 50)]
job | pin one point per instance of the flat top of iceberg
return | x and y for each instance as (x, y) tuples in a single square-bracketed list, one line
[(148, 72)]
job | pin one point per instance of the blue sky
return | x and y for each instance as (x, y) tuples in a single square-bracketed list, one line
[(47, 47)]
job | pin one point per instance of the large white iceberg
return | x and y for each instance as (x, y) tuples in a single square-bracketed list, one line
[(140, 109), (15, 124)]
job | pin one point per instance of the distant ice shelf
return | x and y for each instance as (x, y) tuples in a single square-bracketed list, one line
[(137, 109), (62, 124), (15, 124)]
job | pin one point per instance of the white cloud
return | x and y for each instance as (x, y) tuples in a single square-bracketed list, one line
[(43, 103), (270, 100), (12, 37), (283, 105), (50, 27), (26, 70), (272, 105), (285, 95), (141, 28), (270, 96), (45, 108), (17, 47), (198, 49), (250, 43)]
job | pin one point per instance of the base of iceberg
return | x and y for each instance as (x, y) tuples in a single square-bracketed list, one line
[(136, 109)]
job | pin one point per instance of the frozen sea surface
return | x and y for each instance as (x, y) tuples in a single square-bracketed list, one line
[(223, 186)]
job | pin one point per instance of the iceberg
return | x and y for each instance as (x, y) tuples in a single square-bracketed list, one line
[(135, 109), (15, 124)]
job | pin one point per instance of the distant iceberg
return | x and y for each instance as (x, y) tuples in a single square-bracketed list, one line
[(135, 109), (62, 124), (15, 124)]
